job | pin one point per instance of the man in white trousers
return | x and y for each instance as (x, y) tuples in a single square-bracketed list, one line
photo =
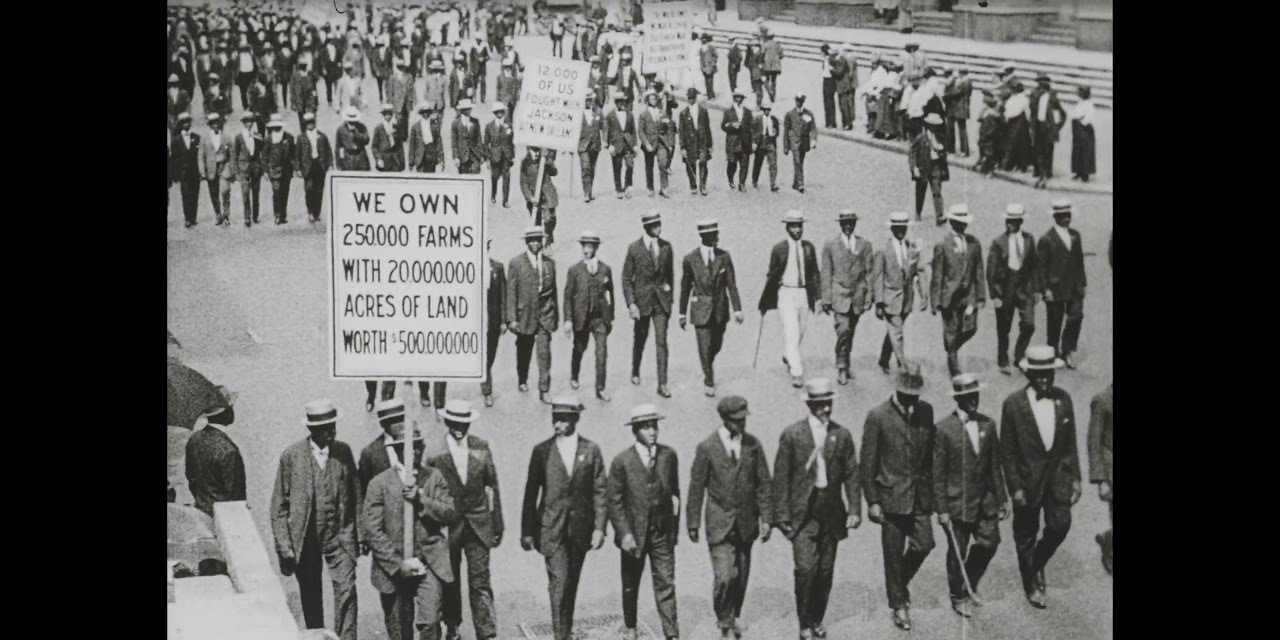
[(792, 286)]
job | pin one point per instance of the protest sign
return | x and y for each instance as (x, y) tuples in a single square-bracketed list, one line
[(407, 276), (667, 26), (553, 94)]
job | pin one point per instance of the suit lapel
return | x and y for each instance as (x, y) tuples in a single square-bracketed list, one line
[(473, 461), (1025, 403), (701, 273)]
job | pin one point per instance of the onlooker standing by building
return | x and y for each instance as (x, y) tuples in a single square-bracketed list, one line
[(772, 62), (1082, 140), (1047, 118), (958, 94)]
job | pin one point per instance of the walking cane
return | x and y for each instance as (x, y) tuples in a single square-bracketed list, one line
[(955, 544), (759, 334)]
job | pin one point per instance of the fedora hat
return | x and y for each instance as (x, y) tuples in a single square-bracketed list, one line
[(1013, 211), (533, 232), (589, 237), (794, 216), (965, 384), (644, 413), (900, 219), (708, 225), (568, 403), (389, 411), (653, 217), (320, 412), (457, 411), (819, 390), (351, 114), (1041, 357), (909, 381), (848, 215), (960, 213)]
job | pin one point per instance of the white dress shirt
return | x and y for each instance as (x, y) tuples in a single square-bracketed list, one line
[(622, 119), (1083, 111), (1016, 251), (461, 453), (819, 432), (1043, 107), (707, 254), (568, 448), (1064, 234), (1018, 104), (900, 246), (321, 455), (1044, 414), (536, 262), (792, 275), (651, 244), (593, 265), (645, 454), (427, 138), (919, 97), (314, 137), (693, 113), (249, 141), (970, 428), (732, 443)]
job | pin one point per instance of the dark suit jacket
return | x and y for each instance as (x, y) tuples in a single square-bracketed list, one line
[(382, 525), (1027, 465), (737, 140), (778, 265), (563, 507), (304, 153), (1099, 437), (420, 152), (470, 494), (215, 470), (387, 149), (799, 130), (303, 96), (846, 275), (591, 136), (532, 304), (1012, 287), (400, 92), (279, 157), (186, 160), (847, 81), (647, 284), (496, 294), (466, 146), (710, 290), (793, 477), (958, 278), (629, 497), (548, 197), (458, 86), (352, 138), (897, 458), (695, 138), (499, 142), (586, 296), (920, 158), (1057, 116), (758, 139), (967, 485), (373, 460), (247, 164), (291, 500), (735, 60), (736, 494), (619, 138), (1061, 271), (958, 95), (508, 88)]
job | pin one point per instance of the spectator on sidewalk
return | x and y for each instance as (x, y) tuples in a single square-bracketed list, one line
[(913, 60), (832, 68), (1016, 147), (1047, 118), (708, 58), (772, 59), (847, 86), (887, 125), (735, 63), (990, 122), (871, 91), (754, 62), (1082, 141), (958, 94), (928, 162)]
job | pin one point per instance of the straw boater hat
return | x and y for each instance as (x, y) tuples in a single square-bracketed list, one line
[(653, 217), (965, 384), (1013, 211), (275, 122), (533, 232), (498, 106), (766, 103), (464, 103), (910, 381), (566, 404), (739, 93), (1041, 358), (457, 411), (390, 411), (387, 108), (959, 212), (819, 390), (708, 225), (248, 116), (184, 117), (642, 413), (308, 117), (847, 215), (1061, 205), (351, 114), (589, 237), (321, 412), (424, 107), (794, 216), (213, 117)]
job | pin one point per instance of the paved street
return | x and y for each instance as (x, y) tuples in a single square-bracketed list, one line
[(250, 308)]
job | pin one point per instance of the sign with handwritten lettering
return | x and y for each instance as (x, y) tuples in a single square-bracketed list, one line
[(667, 27), (407, 278), (552, 97)]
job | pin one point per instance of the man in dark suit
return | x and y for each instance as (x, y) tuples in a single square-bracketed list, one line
[(278, 156), (412, 589), (501, 150), (588, 310), (217, 169), (1047, 119), (426, 141), (897, 480), (330, 66), (468, 154), (816, 458), (959, 287), (1041, 466), (647, 277), (707, 59), (314, 508), (731, 472), (695, 141), (847, 267), (565, 508), (302, 93), (764, 138), (185, 161), (737, 125), (927, 160), (627, 81), (466, 463), (833, 68), (479, 61), (373, 457), (508, 86), (653, 143), (968, 491), (1012, 274), (1060, 258), (352, 138), (532, 313), (644, 507), (709, 281), (620, 140), (1100, 454), (496, 299), (799, 137), (214, 468), (460, 80), (315, 156), (735, 63), (847, 86), (246, 156), (590, 140), (957, 97), (770, 62), (388, 147), (792, 286), (402, 96)]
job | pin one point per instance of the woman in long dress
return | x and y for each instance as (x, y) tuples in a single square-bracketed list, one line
[(1083, 158)]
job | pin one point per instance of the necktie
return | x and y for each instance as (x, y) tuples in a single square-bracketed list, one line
[(1043, 396), (733, 456), (799, 264), (706, 256), (653, 458), (653, 249), (902, 253), (1017, 251), (538, 261)]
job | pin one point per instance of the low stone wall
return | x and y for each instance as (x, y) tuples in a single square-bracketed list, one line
[(854, 14), (999, 24), (1095, 31), (752, 9)]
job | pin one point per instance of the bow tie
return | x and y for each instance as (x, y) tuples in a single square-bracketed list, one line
[(1043, 396)]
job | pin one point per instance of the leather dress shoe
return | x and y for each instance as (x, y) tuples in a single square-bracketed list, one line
[(635, 380), (885, 369), (902, 619), (603, 395), (368, 405), (842, 377), (709, 391), (1036, 598), (523, 387), (819, 631), (797, 381), (1004, 368), (1070, 362), (488, 401), (544, 397), (662, 391), (961, 607), (573, 383)]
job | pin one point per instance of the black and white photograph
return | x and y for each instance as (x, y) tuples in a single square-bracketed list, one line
[(640, 319)]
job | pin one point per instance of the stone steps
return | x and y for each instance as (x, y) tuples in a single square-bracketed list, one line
[(788, 15), (933, 22)]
